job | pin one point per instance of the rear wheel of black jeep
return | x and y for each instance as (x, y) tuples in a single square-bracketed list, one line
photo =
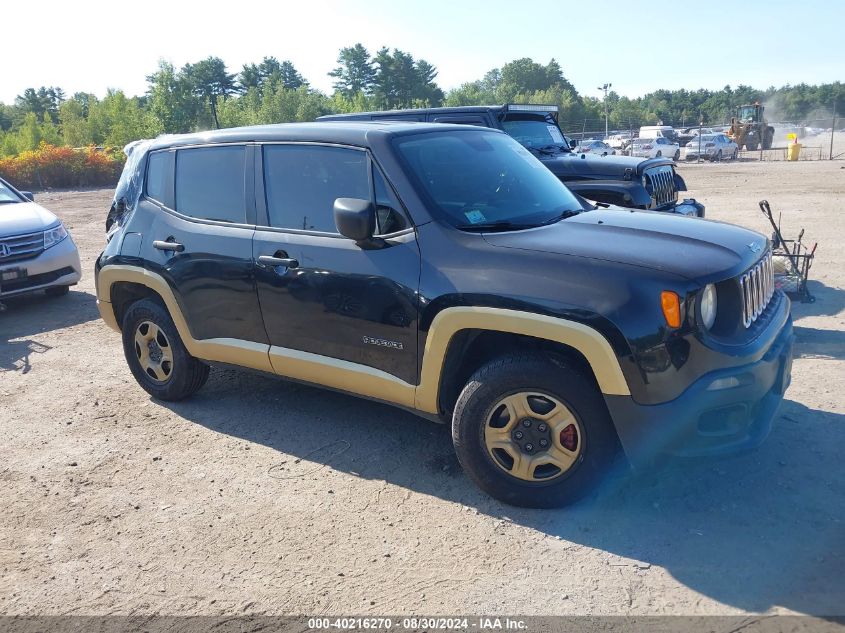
[(156, 355), (659, 154), (677, 154), (532, 431)]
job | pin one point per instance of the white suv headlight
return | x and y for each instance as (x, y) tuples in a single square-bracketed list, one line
[(708, 305), (54, 236)]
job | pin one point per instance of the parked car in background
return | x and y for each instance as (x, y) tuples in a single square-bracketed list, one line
[(36, 251), (655, 148), (596, 147), (624, 181), (658, 131), (685, 135), (711, 147), (619, 140)]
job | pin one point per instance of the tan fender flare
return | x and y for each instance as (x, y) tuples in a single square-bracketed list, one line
[(362, 379), (592, 345)]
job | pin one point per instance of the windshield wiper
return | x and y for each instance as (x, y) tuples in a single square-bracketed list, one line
[(562, 216), (9, 201), (502, 225), (563, 149)]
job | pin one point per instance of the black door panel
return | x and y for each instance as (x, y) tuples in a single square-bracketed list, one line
[(340, 300), (212, 276)]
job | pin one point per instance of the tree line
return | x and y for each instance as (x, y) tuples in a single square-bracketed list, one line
[(205, 95)]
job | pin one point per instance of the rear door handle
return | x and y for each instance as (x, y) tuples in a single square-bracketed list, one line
[(169, 245), (269, 260)]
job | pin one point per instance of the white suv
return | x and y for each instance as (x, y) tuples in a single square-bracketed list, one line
[(36, 251)]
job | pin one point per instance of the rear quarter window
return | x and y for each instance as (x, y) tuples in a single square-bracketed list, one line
[(210, 183), (158, 165)]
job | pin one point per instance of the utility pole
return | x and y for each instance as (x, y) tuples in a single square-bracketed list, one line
[(605, 87), (832, 130)]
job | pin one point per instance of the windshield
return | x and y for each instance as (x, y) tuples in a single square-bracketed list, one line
[(533, 131), (478, 178), (747, 113), (7, 195)]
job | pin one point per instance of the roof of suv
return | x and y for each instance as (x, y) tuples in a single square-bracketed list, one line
[(344, 133), (411, 111)]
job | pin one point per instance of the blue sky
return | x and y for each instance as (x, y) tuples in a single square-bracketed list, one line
[(638, 47)]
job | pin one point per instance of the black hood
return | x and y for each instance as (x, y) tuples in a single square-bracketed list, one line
[(572, 166), (697, 249)]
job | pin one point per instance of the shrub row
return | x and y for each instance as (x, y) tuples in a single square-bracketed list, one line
[(50, 166)]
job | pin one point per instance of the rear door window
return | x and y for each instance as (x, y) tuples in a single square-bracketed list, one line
[(210, 183)]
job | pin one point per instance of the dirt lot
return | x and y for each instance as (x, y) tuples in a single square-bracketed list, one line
[(259, 496)]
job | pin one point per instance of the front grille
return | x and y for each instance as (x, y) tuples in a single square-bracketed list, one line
[(661, 185), (21, 247), (757, 287)]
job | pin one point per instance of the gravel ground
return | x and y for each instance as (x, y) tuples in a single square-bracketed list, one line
[(260, 496)]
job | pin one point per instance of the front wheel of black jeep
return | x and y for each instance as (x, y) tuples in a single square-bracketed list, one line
[(532, 431), (156, 355)]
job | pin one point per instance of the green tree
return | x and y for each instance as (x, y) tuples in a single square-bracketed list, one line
[(210, 81), (171, 100), (355, 72), (74, 125), (402, 82)]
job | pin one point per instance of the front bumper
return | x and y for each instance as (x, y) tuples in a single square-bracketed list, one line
[(723, 412), (57, 266)]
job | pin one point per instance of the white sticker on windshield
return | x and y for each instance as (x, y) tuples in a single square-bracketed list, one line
[(475, 216), (557, 137)]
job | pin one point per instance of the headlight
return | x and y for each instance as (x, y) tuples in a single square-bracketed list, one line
[(54, 236), (708, 305)]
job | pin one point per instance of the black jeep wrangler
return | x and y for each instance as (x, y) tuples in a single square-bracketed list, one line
[(445, 270), (618, 180)]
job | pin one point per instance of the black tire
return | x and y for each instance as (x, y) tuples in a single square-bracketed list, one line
[(548, 375), (768, 139), (57, 291), (735, 155), (677, 155), (751, 147), (659, 154), (718, 157), (185, 375)]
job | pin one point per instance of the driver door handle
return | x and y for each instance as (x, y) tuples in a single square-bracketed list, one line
[(169, 245), (269, 260)]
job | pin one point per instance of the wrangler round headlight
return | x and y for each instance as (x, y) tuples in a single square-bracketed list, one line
[(708, 305)]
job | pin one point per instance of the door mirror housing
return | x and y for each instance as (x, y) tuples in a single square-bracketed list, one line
[(355, 218), (573, 143), (28, 195)]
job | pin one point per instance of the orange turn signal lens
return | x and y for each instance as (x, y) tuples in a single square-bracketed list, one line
[(671, 308)]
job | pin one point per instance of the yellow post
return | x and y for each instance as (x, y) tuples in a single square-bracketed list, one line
[(793, 150)]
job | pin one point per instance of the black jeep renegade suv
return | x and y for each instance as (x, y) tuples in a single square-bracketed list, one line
[(445, 270)]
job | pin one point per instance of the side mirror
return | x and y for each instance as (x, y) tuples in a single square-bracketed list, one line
[(355, 218), (28, 195), (573, 143)]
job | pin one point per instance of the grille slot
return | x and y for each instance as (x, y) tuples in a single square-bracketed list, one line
[(662, 185), (21, 247), (758, 287)]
